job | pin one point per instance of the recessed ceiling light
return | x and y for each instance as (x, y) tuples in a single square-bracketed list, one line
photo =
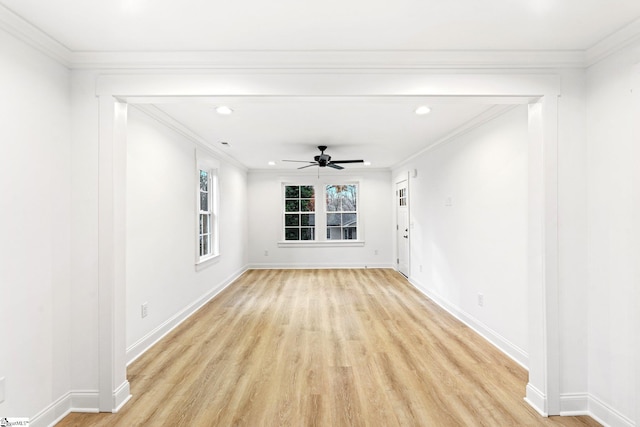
[(367, 163), (224, 110), (272, 163), (422, 110)]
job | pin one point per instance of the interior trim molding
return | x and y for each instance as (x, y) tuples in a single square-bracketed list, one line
[(574, 404), (514, 352), (138, 348), (607, 415), (121, 396), (613, 43), (479, 120), (34, 37), (317, 59), (536, 399), (332, 59), (318, 266), (74, 401), (172, 124)]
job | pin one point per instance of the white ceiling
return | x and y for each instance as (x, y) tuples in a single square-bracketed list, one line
[(188, 25), (382, 131)]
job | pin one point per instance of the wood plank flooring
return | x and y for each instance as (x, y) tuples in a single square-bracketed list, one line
[(324, 348)]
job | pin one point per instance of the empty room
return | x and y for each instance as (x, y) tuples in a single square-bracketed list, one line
[(321, 214)]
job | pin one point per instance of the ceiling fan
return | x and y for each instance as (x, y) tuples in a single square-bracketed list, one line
[(324, 160)]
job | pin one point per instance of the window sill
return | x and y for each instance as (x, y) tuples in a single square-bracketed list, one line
[(320, 243), (206, 262)]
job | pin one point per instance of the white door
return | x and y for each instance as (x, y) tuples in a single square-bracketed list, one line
[(402, 227)]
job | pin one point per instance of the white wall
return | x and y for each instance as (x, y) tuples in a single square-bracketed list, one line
[(477, 244), (34, 229), (613, 237), (265, 221), (161, 230)]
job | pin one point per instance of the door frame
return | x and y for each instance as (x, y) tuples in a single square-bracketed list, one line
[(540, 91), (399, 179)]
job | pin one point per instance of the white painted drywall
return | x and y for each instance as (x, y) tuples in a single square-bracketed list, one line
[(613, 237), (468, 213), (161, 226), (265, 221), (34, 228)]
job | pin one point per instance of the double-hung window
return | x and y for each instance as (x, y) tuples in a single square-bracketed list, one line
[(320, 212), (207, 212), (342, 212)]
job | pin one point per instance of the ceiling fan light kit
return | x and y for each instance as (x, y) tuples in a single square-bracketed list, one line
[(323, 160)]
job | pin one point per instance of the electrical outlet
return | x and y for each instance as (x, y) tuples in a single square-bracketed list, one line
[(266, 253), (420, 268), (2, 395), (144, 309), (375, 252), (480, 300)]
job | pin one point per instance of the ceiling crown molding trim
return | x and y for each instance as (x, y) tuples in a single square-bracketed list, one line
[(330, 60), (168, 121), (611, 44), (474, 123), (33, 36)]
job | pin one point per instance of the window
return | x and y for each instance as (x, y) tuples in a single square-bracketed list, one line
[(342, 214), (207, 235), (320, 213), (299, 208)]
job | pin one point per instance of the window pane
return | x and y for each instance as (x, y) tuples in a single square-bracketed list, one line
[(292, 206), (204, 180), (333, 201), (291, 220), (334, 233), (206, 245), (306, 192), (306, 234), (349, 219), (333, 219), (204, 201), (348, 197), (291, 234), (292, 192), (308, 219), (350, 233), (201, 245), (307, 205)]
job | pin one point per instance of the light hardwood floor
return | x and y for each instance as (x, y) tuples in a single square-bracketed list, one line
[(324, 348)]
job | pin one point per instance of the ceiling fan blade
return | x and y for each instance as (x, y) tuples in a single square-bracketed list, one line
[(347, 161), (297, 161), (331, 165), (308, 166)]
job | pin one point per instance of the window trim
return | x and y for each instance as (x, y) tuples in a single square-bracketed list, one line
[(206, 163), (321, 215)]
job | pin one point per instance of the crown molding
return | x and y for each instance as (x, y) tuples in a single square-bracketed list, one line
[(477, 121), (611, 44), (318, 59), (34, 37), (331, 59), (168, 121)]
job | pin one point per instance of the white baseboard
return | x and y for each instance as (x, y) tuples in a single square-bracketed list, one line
[(574, 404), (520, 356), (314, 266), (121, 396), (537, 400), (606, 415), (74, 401), (143, 344)]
